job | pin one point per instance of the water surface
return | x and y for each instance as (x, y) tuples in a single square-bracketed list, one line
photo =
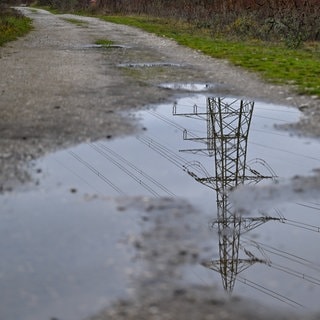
[(62, 242)]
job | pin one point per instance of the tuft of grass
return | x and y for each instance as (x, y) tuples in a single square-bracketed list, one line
[(104, 42), (274, 62), (13, 25), (77, 22)]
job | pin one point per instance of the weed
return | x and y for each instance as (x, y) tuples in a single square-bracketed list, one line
[(104, 42)]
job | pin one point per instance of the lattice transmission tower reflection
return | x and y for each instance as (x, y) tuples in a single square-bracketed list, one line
[(228, 125)]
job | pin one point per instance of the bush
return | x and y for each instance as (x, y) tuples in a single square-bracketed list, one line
[(295, 27), (243, 27)]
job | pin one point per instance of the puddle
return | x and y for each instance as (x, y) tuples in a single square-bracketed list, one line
[(149, 65), (62, 243), (193, 87), (62, 258)]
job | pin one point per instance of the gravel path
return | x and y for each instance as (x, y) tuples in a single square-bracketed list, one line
[(56, 91)]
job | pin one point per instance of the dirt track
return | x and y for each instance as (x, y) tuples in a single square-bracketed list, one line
[(56, 91)]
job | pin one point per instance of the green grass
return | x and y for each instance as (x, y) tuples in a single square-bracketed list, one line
[(12, 26), (274, 62), (77, 22), (104, 42)]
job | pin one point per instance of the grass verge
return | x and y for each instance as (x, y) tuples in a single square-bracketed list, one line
[(275, 62), (13, 25)]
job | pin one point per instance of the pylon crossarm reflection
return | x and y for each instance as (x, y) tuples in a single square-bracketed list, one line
[(248, 223), (216, 182), (243, 264), (230, 269), (194, 114), (254, 222)]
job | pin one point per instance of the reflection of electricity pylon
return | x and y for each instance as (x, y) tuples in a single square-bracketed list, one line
[(227, 135)]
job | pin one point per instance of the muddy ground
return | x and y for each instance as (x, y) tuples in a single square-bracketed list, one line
[(57, 89)]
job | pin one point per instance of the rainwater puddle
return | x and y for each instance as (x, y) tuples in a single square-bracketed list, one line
[(193, 87), (62, 243)]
